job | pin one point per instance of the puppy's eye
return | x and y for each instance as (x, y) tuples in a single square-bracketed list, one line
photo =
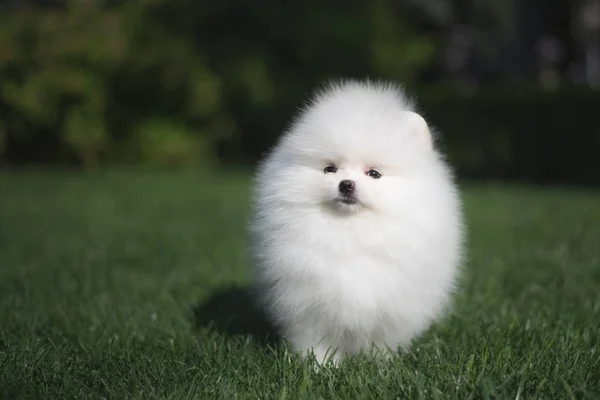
[(330, 169), (374, 174)]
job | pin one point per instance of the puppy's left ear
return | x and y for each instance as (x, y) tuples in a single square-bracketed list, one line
[(418, 128)]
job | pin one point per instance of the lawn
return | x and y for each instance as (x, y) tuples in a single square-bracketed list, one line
[(131, 285)]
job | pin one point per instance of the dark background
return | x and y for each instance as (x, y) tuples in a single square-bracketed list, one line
[(511, 85)]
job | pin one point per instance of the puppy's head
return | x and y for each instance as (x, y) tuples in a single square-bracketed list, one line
[(356, 147)]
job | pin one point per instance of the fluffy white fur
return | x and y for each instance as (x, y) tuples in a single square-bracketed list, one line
[(337, 278)]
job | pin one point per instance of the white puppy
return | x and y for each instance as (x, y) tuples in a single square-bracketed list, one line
[(357, 227)]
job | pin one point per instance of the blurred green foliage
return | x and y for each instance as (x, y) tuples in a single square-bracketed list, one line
[(179, 82), (175, 82)]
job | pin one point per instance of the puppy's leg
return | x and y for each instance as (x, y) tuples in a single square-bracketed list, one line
[(312, 344)]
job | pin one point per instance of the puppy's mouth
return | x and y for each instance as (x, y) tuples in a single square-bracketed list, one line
[(347, 200)]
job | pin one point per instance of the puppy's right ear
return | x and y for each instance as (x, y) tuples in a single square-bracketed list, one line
[(417, 127)]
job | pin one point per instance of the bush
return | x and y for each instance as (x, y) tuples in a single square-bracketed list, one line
[(89, 75), (167, 82)]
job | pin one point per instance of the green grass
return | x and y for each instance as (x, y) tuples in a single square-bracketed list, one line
[(126, 285)]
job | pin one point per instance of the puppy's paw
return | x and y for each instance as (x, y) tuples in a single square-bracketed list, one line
[(322, 357)]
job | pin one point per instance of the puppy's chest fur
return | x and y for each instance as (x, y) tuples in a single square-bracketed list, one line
[(349, 271)]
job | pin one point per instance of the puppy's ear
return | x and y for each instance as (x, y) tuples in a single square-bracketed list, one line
[(416, 126)]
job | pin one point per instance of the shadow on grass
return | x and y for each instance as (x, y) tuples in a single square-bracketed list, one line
[(232, 312)]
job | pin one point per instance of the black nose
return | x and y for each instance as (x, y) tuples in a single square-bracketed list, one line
[(347, 186)]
